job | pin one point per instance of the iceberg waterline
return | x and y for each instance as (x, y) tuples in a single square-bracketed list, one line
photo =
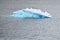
[(30, 13)]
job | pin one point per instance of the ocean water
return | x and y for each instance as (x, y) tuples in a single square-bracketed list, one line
[(29, 29)]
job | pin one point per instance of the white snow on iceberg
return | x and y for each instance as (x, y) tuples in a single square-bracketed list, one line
[(30, 13)]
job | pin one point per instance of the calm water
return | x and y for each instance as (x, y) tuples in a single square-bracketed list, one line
[(29, 29)]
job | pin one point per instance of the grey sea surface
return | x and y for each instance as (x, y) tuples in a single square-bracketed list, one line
[(29, 29)]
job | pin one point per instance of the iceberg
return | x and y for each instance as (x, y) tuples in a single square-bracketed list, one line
[(30, 13)]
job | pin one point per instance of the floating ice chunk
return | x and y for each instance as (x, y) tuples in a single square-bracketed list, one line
[(30, 13), (38, 11)]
